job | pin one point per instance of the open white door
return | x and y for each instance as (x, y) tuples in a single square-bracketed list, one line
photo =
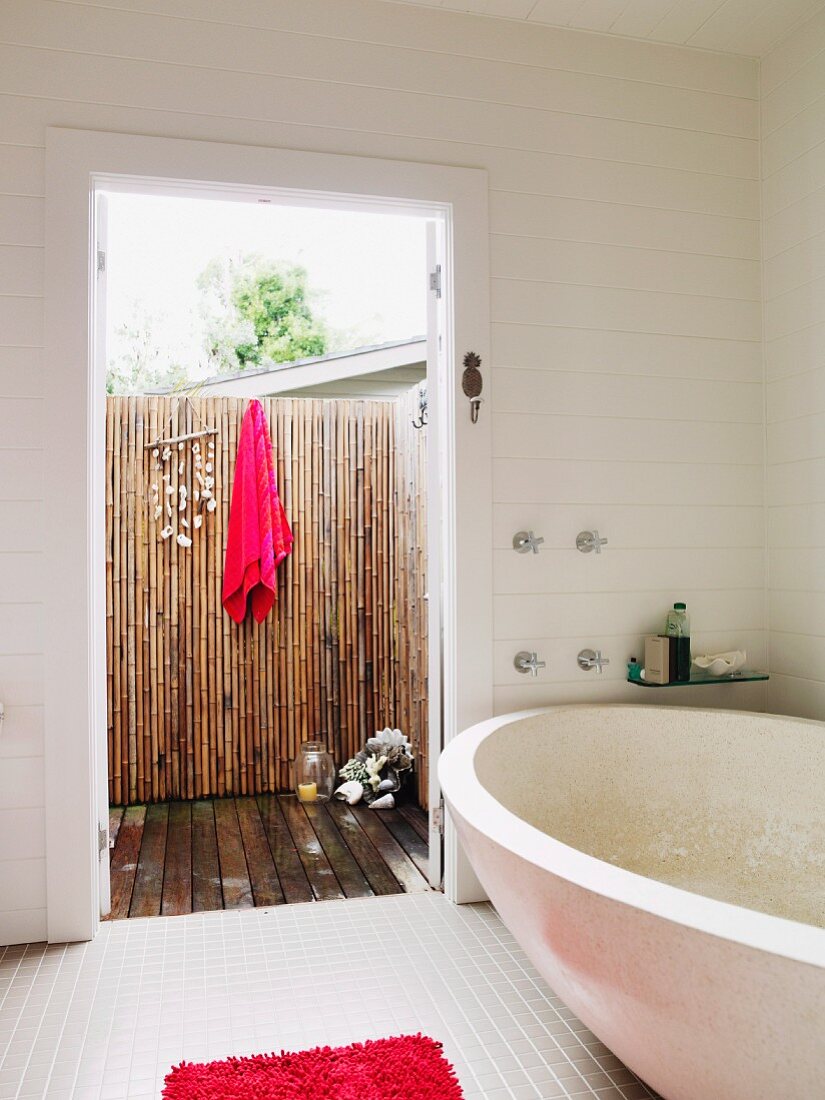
[(81, 163), (99, 426), (436, 260)]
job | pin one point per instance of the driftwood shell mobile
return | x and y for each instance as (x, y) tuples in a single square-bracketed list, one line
[(182, 490)]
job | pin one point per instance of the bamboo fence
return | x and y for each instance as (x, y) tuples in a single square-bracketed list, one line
[(199, 706)]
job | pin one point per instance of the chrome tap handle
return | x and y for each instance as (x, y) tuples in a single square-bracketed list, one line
[(589, 540), (588, 659), (525, 541), (525, 662)]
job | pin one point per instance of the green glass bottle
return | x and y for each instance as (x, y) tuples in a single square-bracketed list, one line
[(677, 629)]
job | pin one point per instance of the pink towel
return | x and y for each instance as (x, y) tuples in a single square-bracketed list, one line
[(259, 537)]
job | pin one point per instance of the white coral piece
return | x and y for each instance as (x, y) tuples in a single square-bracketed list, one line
[(183, 540), (374, 764), (167, 532)]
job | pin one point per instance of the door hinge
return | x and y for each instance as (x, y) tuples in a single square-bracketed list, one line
[(435, 280), (101, 261), (438, 817), (103, 842)]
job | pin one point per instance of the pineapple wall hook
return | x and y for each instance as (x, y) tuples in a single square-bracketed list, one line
[(472, 383)]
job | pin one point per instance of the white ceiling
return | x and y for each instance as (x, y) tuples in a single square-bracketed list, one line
[(751, 27)]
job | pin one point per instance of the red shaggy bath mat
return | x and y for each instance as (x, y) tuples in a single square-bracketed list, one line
[(408, 1067)]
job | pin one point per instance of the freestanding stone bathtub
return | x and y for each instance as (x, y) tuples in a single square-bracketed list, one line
[(664, 869)]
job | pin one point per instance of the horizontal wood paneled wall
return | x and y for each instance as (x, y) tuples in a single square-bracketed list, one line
[(626, 166), (793, 210), (200, 706)]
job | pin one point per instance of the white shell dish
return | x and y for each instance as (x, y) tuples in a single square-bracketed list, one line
[(722, 664)]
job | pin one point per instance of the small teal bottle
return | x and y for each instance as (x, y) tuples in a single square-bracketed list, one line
[(634, 669)]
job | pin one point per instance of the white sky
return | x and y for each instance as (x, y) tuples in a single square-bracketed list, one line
[(370, 269)]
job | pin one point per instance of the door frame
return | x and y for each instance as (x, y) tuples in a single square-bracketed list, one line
[(78, 164)]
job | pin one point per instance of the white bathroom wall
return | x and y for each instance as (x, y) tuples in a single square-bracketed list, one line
[(626, 383), (793, 199)]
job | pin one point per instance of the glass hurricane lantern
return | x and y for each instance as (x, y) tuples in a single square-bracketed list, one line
[(314, 771)]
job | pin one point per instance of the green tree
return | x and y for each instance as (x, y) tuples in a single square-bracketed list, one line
[(257, 312), (142, 364)]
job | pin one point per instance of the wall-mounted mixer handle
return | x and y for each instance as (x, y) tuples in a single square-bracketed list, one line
[(589, 540), (525, 541), (525, 662), (588, 659)]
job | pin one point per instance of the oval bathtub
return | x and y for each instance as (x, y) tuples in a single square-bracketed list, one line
[(664, 869)]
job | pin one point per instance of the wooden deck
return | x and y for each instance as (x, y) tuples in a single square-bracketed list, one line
[(172, 858)]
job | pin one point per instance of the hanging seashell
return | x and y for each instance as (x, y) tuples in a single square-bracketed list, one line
[(196, 447), (158, 512), (166, 453), (180, 446), (185, 523), (198, 520), (183, 540), (206, 494), (155, 488), (166, 532), (350, 792), (211, 505), (168, 509), (180, 467), (386, 802), (197, 495), (209, 467), (199, 477), (170, 490), (155, 453)]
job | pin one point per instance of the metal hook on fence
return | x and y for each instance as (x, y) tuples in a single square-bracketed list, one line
[(421, 420)]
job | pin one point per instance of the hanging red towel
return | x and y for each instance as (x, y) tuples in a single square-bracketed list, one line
[(259, 537)]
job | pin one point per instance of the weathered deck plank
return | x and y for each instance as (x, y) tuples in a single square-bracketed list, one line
[(266, 889), (148, 891), (207, 894), (322, 878), (177, 875), (237, 889), (124, 860), (294, 881)]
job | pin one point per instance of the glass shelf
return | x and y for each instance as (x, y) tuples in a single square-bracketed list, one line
[(698, 676)]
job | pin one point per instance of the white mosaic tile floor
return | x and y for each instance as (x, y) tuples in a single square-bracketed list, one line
[(106, 1020)]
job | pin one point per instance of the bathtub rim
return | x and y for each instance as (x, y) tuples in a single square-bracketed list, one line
[(464, 794)]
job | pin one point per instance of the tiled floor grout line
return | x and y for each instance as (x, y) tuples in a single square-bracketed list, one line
[(501, 1035), (530, 977), (43, 1016), (30, 991), (528, 1038)]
